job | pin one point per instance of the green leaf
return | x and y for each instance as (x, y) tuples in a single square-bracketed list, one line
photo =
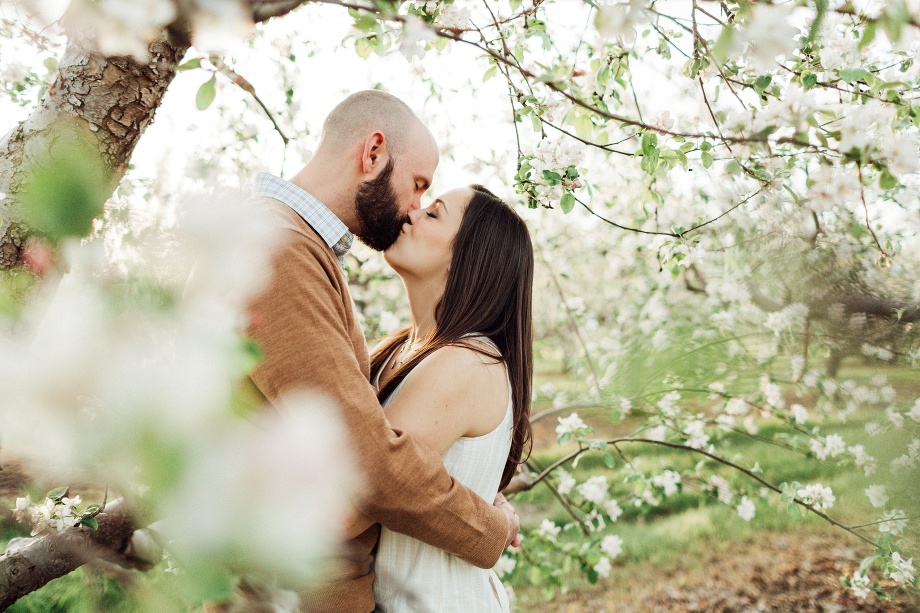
[(66, 187), (706, 157), (363, 48), (793, 510), (853, 75), (868, 35), (366, 22), (552, 178), (809, 80), (821, 6), (206, 93), (90, 522), (649, 142), (189, 65), (57, 493), (608, 460), (537, 124), (723, 44), (489, 73), (886, 180), (567, 203)]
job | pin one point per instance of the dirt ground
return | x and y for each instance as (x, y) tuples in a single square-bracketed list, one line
[(784, 573)]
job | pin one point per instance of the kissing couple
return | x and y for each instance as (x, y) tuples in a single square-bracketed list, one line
[(437, 413)]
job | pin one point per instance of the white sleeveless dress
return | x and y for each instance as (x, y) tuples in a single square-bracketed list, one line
[(414, 577)]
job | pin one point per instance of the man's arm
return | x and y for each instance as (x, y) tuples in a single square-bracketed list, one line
[(303, 330)]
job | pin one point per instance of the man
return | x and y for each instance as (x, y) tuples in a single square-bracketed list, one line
[(374, 162)]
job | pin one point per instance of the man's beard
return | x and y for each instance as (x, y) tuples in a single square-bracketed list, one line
[(378, 211)]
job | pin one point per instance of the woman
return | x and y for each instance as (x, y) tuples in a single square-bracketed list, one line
[(458, 379)]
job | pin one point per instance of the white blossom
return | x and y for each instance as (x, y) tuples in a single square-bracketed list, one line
[(914, 412), (668, 480), (767, 34), (817, 496), (723, 490), (613, 510), (612, 545), (595, 489), (746, 509), (737, 406), (896, 419), (696, 437), (903, 571), (831, 445), (859, 584), (570, 425), (799, 413), (504, 566), (548, 530), (603, 567), (893, 522), (455, 17), (876, 495), (566, 482)]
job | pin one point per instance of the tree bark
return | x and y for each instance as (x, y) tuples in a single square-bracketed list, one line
[(31, 566), (112, 98)]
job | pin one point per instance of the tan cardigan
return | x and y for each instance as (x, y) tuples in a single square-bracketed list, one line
[(307, 327)]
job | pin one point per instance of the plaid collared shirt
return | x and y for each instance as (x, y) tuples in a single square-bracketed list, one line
[(314, 212)]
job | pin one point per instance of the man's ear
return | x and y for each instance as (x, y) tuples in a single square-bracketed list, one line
[(374, 153)]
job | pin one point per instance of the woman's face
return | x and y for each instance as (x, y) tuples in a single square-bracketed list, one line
[(423, 249)]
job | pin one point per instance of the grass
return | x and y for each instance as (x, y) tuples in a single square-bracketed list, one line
[(691, 526)]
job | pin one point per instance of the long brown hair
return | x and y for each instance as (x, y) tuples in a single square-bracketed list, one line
[(489, 292)]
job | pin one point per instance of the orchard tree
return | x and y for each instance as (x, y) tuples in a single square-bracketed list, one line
[(739, 181)]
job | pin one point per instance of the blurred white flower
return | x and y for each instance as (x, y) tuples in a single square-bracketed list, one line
[(566, 482), (241, 487), (612, 545), (613, 510), (766, 34), (548, 530), (668, 480), (902, 571), (831, 445), (603, 567), (415, 33), (893, 522), (455, 17), (620, 19), (799, 413), (876, 495), (746, 509), (221, 25), (859, 584), (696, 437), (504, 566), (595, 489)]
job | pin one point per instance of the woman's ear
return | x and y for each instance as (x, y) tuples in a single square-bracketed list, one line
[(374, 152)]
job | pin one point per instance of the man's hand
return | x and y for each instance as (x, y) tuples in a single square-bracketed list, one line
[(514, 522)]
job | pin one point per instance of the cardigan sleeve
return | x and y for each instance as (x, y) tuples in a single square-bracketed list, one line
[(303, 328)]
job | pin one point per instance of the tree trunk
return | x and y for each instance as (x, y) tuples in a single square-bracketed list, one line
[(113, 99), (27, 568)]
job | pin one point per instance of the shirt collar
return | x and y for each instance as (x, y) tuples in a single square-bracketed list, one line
[(311, 210)]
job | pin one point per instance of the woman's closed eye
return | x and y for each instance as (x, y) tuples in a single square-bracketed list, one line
[(432, 215)]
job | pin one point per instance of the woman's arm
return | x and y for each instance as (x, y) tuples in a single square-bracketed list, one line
[(452, 393)]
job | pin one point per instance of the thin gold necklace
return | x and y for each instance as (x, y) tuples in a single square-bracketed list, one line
[(402, 356)]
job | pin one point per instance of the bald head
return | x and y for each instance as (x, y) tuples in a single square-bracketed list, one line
[(370, 111)]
